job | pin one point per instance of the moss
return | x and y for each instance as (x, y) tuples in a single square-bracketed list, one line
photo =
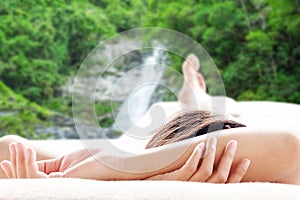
[(19, 115)]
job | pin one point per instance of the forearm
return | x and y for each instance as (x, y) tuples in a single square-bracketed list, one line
[(105, 166), (273, 154)]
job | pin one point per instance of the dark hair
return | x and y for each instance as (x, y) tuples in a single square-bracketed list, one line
[(190, 124)]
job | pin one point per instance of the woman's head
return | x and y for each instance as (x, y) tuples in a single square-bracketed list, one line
[(190, 124)]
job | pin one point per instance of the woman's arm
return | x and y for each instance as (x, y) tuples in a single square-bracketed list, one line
[(274, 154), (274, 157), (23, 164)]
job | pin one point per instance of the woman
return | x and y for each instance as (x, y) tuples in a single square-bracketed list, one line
[(50, 166), (274, 154), (280, 149)]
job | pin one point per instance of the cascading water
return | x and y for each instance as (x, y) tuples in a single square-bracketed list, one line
[(151, 73), (129, 82), (103, 79), (138, 102)]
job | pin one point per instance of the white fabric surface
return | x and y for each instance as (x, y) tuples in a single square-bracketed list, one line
[(259, 114), (129, 190)]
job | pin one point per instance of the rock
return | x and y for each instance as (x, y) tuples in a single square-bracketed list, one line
[(115, 82), (100, 80), (8, 113), (63, 127)]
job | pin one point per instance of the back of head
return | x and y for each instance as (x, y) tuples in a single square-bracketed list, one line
[(190, 124)]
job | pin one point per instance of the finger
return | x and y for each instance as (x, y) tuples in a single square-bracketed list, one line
[(31, 166), (12, 150), (7, 168), (20, 161), (238, 174), (221, 174), (191, 165), (207, 165), (49, 166), (187, 170)]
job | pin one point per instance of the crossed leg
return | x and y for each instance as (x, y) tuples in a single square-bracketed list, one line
[(193, 92)]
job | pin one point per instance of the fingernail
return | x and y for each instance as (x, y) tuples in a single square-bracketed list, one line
[(232, 147), (17, 144), (246, 163), (211, 142), (200, 148), (11, 145)]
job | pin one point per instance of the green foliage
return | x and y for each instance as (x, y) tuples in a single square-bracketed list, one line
[(123, 15), (59, 104), (43, 42), (19, 116), (255, 44), (104, 110)]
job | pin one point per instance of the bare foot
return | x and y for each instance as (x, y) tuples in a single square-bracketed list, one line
[(194, 84)]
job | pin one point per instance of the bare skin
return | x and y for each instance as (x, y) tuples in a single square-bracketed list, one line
[(5, 153), (283, 145), (23, 163), (274, 155), (193, 93), (274, 158)]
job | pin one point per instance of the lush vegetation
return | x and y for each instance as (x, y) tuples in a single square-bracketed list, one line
[(255, 44), (20, 116)]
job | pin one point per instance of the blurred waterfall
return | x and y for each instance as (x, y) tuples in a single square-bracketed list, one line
[(138, 101)]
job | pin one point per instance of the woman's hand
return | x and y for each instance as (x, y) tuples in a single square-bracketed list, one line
[(79, 164), (23, 163), (200, 166)]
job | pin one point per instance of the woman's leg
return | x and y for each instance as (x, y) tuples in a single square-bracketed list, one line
[(4, 149), (193, 93)]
